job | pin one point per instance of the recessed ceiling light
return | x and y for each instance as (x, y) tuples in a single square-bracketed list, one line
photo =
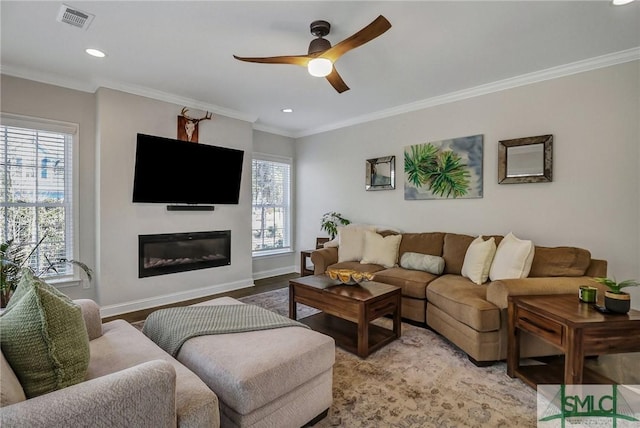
[(287, 110), (620, 2), (95, 52)]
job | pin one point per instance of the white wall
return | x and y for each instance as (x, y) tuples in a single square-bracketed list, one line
[(593, 201), (120, 117), (267, 266), (28, 98)]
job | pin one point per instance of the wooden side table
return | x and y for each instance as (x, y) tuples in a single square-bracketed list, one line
[(304, 255), (576, 329)]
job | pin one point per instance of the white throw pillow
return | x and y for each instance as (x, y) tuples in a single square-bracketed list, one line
[(381, 250), (351, 243), (331, 244), (373, 227), (478, 258), (423, 262), (513, 258)]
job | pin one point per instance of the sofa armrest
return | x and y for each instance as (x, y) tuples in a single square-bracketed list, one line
[(498, 292), (92, 319), (322, 258), (597, 268), (143, 395)]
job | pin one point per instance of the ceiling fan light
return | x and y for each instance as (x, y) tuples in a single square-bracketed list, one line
[(95, 52), (320, 67)]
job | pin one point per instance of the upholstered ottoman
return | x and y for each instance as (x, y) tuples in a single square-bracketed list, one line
[(269, 378)]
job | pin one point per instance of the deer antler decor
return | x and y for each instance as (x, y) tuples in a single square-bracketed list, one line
[(188, 126)]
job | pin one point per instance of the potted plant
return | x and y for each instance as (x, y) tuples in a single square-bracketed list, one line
[(14, 258), (615, 299), (331, 221)]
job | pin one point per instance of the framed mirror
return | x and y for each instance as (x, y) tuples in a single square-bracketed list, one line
[(525, 160), (381, 173)]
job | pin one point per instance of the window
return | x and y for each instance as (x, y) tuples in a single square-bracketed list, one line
[(271, 208), (36, 186)]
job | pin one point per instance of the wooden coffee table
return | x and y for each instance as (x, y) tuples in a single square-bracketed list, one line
[(347, 311), (576, 329)]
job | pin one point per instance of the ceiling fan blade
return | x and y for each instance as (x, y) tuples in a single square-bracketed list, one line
[(301, 60), (368, 33), (336, 81)]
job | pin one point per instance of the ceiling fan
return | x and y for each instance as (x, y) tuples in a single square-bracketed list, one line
[(321, 56)]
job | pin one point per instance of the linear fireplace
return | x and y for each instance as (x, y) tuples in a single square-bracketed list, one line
[(178, 252)]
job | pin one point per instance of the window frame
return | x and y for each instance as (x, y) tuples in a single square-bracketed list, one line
[(257, 156), (71, 227)]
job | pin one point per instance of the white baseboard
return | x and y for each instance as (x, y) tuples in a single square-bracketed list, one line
[(274, 272), (166, 299)]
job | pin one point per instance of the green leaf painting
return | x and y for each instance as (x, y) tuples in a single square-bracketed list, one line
[(444, 169)]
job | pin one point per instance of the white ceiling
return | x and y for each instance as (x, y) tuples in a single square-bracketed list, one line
[(182, 51)]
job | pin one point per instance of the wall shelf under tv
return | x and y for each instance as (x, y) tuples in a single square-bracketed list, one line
[(190, 207)]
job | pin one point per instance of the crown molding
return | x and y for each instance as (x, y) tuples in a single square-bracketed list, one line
[(176, 99), (48, 78), (273, 130), (501, 85), (92, 87)]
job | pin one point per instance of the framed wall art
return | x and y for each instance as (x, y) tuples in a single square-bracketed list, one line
[(446, 169), (381, 173)]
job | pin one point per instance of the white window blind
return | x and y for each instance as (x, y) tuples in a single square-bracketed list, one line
[(36, 182), (271, 205)]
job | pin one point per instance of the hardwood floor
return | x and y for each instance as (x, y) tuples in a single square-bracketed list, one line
[(261, 286)]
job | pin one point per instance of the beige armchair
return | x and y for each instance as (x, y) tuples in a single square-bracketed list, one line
[(143, 395), (131, 382)]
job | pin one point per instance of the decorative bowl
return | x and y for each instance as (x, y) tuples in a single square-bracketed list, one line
[(349, 276)]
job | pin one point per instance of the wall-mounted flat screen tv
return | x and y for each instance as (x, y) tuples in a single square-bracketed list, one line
[(180, 172)]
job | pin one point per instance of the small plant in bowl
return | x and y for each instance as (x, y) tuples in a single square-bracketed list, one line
[(615, 299)]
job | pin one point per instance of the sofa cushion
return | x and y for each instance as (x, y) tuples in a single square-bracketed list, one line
[(413, 282), (44, 338), (464, 301), (455, 248), (351, 243), (380, 250), (423, 262), (477, 260), (513, 258), (560, 261), (424, 243), (453, 251)]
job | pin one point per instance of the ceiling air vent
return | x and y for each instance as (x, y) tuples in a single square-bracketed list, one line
[(75, 17)]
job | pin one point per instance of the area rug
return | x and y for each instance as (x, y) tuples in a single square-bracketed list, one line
[(419, 380)]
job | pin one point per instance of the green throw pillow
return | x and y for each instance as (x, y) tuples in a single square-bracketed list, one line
[(44, 338)]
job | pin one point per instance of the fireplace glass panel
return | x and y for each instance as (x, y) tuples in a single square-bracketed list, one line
[(178, 252)]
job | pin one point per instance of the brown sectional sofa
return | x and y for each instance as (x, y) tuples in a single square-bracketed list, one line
[(472, 316)]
